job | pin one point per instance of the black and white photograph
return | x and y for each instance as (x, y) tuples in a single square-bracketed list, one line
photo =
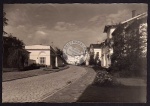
[(74, 53)]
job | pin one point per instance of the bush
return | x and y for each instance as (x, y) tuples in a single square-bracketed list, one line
[(103, 78), (31, 67), (42, 65)]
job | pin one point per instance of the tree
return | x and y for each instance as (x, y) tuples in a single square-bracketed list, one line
[(14, 54), (18, 58), (128, 47), (5, 20)]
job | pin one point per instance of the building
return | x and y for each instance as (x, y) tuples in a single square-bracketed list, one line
[(141, 21), (87, 56), (130, 46), (95, 52), (107, 45), (107, 49), (46, 55)]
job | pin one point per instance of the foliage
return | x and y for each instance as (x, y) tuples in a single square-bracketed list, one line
[(128, 48), (10, 41), (5, 22), (14, 54), (17, 58), (4, 19), (32, 66), (103, 78)]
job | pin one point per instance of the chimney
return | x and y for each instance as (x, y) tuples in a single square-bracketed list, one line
[(133, 13)]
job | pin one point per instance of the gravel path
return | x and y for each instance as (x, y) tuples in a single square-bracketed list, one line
[(34, 89)]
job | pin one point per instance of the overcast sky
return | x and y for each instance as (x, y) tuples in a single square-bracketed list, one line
[(60, 23)]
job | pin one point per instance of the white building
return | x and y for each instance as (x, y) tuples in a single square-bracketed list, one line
[(42, 54), (95, 53), (107, 49)]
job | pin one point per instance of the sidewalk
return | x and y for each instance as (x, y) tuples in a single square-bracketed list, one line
[(9, 76)]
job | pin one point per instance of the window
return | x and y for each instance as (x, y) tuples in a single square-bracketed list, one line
[(42, 60)]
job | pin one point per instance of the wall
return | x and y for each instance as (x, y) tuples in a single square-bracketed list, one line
[(60, 62), (109, 32), (36, 54), (106, 62)]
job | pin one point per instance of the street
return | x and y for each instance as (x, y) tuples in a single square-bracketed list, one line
[(72, 85), (34, 89)]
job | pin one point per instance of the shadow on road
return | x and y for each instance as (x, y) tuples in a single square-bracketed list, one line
[(120, 93), (131, 94)]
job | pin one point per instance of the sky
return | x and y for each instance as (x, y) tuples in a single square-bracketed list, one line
[(61, 23)]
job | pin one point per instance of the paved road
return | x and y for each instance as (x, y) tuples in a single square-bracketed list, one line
[(35, 89), (73, 92)]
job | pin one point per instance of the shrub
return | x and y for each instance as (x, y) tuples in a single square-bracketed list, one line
[(103, 78), (31, 67), (42, 65)]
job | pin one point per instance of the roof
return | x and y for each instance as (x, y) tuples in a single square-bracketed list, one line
[(37, 47), (96, 45), (136, 17), (108, 27), (42, 47), (130, 21)]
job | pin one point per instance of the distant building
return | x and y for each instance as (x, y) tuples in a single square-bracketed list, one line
[(46, 55), (96, 49), (95, 52)]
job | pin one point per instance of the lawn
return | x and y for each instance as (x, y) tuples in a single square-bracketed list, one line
[(8, 76)]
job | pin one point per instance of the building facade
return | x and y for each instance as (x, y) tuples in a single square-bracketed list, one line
[(42, 54), (107, 45), (107, 49)]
